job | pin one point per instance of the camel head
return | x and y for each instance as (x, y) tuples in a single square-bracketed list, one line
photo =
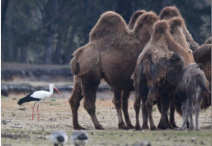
[(169, 12)]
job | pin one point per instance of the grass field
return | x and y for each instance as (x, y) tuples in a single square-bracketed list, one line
[(18, 129)]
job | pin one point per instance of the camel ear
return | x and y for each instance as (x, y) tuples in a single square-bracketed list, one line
[(200, 65)]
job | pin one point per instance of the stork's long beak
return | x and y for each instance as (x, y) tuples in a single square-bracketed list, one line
[(57, 90)]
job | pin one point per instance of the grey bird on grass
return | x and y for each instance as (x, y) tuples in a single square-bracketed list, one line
[(79, 138), (59, 138)]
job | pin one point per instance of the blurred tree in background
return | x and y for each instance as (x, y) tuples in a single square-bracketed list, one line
[(48, 31)]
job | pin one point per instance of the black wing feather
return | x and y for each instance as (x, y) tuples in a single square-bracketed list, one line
[(28, 98)]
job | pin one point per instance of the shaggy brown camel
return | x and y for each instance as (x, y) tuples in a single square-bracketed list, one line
[(111, 55), (120, 99), (170, 12), (191, 85), (150, 80)]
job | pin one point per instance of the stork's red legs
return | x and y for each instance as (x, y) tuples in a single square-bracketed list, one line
[(38, 111), (33, 110)]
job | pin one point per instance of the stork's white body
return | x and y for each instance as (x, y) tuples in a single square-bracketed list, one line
[(38, 96)]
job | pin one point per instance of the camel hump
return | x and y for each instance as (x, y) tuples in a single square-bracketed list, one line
[(134, 17), (203, 54), (146, 18), (160, 27), (169, 12), (108, 24), (176, 22)]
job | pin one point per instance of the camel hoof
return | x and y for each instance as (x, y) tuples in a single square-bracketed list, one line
[(130, 126), (191, 128), (163, 127), (138, 128), (99, 127), (171, 127), (123, 126), (145, 127), (153, 128), (181, 129), (174, 126), (78, 127)]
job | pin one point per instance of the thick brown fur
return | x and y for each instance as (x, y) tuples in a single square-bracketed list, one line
[(134, 17), (203, 56), (150, 67), (176, 30), (172, 11), (111, 55), (109, 23), (200, 56)]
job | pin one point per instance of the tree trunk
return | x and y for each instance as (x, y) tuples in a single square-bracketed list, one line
[(51, 10), (23, 55), (58, 49), (4, 7)]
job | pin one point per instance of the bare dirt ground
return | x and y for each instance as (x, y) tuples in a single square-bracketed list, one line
[(55, 114)]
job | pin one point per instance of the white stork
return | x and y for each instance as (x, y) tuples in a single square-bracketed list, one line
[(38, 96)]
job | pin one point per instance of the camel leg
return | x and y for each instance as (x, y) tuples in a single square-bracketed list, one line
[(137, 104), (149, 105), (165, 101), (186, 110), (197, 110), (191, 126), (74, 102), (117, 100), (172, 111), (199, 95), (141, 91), (125, 99), (89, 91), (159, 109)]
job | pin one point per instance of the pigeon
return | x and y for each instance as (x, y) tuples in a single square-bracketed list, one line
[(59, 138), (79, 138)]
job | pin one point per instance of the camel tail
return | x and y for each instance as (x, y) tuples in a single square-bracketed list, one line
[(202, 82), (74, 62)]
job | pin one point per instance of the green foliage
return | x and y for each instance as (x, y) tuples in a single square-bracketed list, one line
[(3, 97), (14, 98)]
